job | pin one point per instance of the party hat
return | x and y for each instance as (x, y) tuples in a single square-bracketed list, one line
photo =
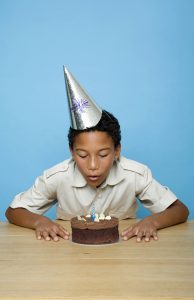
[(84, 112)]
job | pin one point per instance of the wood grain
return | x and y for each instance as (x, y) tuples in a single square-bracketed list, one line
[(32, 269)]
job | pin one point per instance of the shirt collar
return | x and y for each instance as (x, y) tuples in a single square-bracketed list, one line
[(78, 180), (114, 177)]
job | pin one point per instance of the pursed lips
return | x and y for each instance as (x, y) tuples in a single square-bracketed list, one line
[(93, 177)]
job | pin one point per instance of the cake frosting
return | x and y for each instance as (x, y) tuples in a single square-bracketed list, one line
[(101, 230)]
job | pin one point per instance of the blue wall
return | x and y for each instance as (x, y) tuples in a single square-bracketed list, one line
[(135, 58)]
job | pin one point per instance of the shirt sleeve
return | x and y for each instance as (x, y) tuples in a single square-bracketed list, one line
[(152, 194), (39, 198)]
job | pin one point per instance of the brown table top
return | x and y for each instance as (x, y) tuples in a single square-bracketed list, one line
[(32, 269)]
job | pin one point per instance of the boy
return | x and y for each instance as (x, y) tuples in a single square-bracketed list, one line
[(97, 176)]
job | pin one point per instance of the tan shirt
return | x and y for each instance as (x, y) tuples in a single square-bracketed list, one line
[(65, 185)]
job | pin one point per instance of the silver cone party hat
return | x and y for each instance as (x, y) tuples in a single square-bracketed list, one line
[(84, 112)]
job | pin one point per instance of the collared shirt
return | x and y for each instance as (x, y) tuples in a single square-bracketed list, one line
[(117, 196)]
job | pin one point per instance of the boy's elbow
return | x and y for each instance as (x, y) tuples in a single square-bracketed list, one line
[(184, 211), (180, 210), (8, 213)]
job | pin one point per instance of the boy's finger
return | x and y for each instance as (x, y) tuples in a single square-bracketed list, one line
[(38, 235), (54, 236), (147, 236), (139, 236), (126, 231), (64, 234), (155, 235), (62, 229), (46, 236), (127, 234)]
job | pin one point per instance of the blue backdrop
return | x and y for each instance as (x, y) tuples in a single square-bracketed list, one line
[(135, 58)]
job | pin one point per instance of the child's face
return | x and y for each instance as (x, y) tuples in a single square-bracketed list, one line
[(94, 154)]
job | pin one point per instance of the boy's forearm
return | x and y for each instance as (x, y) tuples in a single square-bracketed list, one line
[(174, 214), (23, 217)]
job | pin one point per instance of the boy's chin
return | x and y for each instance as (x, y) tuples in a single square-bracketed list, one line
[(95, 184)]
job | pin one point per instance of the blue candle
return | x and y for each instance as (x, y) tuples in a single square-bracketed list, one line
[(93, 213)]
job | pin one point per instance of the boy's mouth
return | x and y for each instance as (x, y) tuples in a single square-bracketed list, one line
[(93, 178)]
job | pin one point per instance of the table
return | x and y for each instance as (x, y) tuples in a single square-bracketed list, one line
[(32, 269)]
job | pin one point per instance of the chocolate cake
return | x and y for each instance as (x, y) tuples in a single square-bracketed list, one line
[(87, 231)]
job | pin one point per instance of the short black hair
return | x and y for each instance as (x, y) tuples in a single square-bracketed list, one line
[(108, 123)]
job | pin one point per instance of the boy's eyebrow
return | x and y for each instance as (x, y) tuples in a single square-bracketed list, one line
[(81, 149), (107, 148)]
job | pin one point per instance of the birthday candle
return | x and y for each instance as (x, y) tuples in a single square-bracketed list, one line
[(93, 213)]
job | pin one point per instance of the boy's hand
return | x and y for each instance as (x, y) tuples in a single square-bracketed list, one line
[(48, 230), (143, 230)]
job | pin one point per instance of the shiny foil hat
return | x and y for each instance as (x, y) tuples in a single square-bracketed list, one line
[(84, 113)]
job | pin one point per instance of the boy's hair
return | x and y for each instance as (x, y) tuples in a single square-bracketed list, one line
[(108, 123)]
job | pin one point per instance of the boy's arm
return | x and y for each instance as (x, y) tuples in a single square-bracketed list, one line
[(147, 228), (43, 226)]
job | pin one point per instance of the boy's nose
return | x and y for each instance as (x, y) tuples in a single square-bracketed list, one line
[(93, 164)]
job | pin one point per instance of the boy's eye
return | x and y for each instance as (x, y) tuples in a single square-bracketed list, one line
[(82, 155), (103, 155)]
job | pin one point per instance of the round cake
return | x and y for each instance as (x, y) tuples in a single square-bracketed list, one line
[(87, 231)]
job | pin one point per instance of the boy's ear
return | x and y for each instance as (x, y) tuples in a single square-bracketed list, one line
[(117, 152)]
